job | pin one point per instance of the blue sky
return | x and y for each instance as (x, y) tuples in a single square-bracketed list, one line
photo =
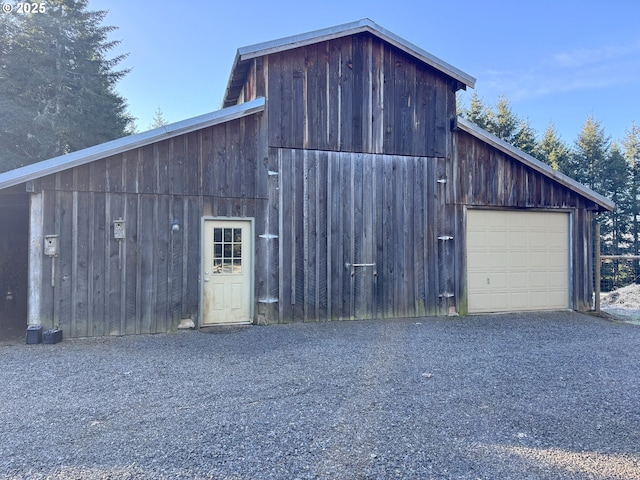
[(555, 60)]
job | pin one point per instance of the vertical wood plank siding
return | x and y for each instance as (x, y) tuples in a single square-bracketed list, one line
[(150, 282), (351, 208), (357, 94)]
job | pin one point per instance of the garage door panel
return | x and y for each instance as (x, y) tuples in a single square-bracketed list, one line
[(558, 299), (517, 240), (556, 281), (517, 260), (539, 302), (480, 260), (538, 281), (516, 223), (516, 278), (497, 299), (534, 259), (498, 280), (497, 240), (555, 238), (518, 301), (556, 258)]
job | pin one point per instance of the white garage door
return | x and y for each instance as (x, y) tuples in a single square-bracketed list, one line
[(517, 261)]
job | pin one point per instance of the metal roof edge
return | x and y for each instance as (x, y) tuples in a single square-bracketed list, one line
[(227, 90), (363, 25), (423, 55), (480, 133), (302, 39), (120, 145)]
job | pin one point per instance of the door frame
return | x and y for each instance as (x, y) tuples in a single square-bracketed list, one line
[(252, 250), (570, 246)]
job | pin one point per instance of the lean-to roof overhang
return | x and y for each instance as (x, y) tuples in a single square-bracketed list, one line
[(120, 145)]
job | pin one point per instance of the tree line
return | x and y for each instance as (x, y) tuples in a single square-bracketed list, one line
[(609, 167)]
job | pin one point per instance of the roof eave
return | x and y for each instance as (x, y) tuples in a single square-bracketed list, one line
[(227, 99), (120, 145), (465, 125)]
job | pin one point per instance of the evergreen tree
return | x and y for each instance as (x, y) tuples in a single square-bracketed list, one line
[(477, 113), (460, 108), (503, 123), (57, 86), (132, 126), (158, 119), (553, 151), (631, 152), (614, 225), (613, 184), (589, 155), (525, 138)]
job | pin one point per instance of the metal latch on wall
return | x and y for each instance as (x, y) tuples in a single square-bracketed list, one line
[(353, 266)]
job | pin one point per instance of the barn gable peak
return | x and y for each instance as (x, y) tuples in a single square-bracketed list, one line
[(245, 54)]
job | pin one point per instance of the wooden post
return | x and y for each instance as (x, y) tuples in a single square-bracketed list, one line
[(598, 264)]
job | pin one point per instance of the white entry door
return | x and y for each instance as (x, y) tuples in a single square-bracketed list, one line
[(226, 272)]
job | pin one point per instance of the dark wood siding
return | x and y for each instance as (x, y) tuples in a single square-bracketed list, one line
[(353, 208), (485, 176), (150, 282), (357, 94)]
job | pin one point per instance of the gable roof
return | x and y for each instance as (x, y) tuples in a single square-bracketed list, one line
[(245, 54), (481, 134), (120, 145)]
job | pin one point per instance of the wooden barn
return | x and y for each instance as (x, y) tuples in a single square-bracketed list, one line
[(336, 183)]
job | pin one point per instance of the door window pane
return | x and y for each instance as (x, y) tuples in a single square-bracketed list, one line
[(227, 250)]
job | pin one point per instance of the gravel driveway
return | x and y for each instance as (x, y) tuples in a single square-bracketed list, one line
[(553, 395)]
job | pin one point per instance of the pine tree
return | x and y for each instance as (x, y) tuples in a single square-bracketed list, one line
[(553, 151), (503, 123), (57, 85), (631, 152), (613, 184), (132, 126), (589, 154), (477, 112), (158, 119), (525, 138), (614, 225)]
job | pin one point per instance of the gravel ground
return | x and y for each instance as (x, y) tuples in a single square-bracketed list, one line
[(511, 396)]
